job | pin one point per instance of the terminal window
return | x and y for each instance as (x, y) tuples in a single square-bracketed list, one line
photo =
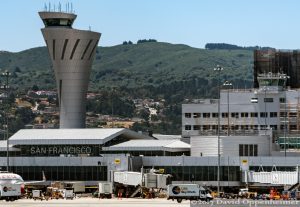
[(206, 127), (215, 115), (196, 115), (187, 115), (268, 100), (244, 114), (283, 114), (282, 100), (188, 127), (206, 115), (224, 115), (235, 115), (273, 114), (254, 114), (263, 114), (196, 127), (245, 127), (274, 127), (248, 150)]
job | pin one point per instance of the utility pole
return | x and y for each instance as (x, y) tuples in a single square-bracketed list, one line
[(227, 84), (6, 75), (219, 69)]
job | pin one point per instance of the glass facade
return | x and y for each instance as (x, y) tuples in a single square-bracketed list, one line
[(201, 173), (291, 142), (149, 153), (61, 173)]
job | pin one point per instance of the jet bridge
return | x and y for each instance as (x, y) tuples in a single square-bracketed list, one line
[(283, 178)]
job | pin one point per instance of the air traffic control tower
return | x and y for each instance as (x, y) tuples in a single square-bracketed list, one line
[(72, 52)]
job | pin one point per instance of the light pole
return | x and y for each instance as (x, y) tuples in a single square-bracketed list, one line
[(227, 84), (265, 89), (218, 69), (285, 77), (6, 74)]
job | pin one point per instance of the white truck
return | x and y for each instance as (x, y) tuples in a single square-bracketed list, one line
[(10, 192), (105, 190), (187, 192)]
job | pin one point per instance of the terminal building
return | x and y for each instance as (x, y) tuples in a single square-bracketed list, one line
[(258, 129), (92, 155), (253, 122)]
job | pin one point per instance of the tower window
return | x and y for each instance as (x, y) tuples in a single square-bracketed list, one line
[(93, 49), (64, 49), (85, 50), (55, 22), (53, 49), (74, 48)]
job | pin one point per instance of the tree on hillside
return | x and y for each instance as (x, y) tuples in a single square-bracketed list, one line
[(35, 88)]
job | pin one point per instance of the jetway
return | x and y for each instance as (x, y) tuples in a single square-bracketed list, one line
[(285, 178), (148, 180)]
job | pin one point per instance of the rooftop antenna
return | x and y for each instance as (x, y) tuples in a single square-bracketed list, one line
[(66, 7), (59, 7), (49, 7), (45, 7), (71, 7), (54, 7), (90, 28)]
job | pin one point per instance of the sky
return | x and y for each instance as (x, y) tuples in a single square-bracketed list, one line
[(273, 23)]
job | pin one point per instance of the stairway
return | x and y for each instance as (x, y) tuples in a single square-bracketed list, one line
[(137, 190)]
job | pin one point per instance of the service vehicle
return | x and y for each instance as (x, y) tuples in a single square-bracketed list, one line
[(37, 195), (10, 192), (187, 192), (245, 193), (68, 194), (105, 190)]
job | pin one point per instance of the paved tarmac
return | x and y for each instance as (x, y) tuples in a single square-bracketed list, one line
[(93, 202)]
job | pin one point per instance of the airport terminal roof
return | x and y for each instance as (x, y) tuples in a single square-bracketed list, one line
[(166, 136), (150, 145), (3, 146), (72, 136)]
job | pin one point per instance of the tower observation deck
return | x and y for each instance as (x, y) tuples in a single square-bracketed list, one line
[(72, 52)]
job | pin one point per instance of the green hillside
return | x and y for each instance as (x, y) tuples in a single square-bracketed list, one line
[(146, 70), (149, 65)]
